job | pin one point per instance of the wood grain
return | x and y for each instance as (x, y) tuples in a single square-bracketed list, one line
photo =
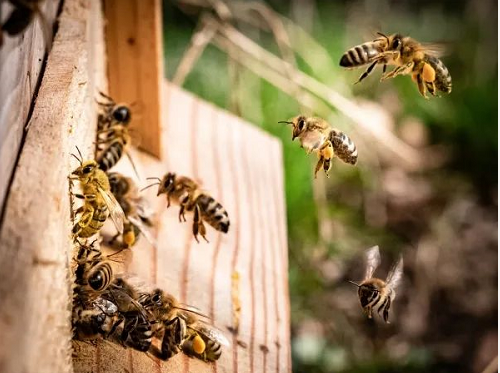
[(241, 167), (21, 61), (34, 237), (135, 64)]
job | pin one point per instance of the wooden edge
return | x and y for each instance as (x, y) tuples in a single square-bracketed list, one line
[(135, 64), (35, 317)]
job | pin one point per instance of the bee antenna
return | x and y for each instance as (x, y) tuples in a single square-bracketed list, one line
[(153, 178), (149, 186), (352, 282), (80, 153), (384, 36), (79, 161), (284, 121)]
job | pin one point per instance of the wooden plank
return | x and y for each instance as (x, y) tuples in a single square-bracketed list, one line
[(135, 64), (241, 167), (34, 237), (21, 61)]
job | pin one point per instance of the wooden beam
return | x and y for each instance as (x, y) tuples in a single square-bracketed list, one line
[(35, 288), (21, 62), (135, 64), (242, 167)]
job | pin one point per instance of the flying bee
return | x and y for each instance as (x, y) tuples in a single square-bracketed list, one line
[(138, 216), (375, 293), (316, 134), (181, 328), (187, 193), (99, 202), (407, 55), (21, 16)]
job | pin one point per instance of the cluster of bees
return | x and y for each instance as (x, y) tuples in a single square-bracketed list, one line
[(409, 57), (109, 306)]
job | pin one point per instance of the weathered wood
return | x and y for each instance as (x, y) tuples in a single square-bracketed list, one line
[(135, 64), (35, 288), (21, 61), (241, 167)]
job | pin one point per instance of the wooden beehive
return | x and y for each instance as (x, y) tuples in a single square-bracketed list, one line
[(238, 164)]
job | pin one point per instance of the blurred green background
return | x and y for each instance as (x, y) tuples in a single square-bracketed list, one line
[(440, 212)]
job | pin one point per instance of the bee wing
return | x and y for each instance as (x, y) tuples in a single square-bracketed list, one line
[(434, 49), (211, 332), (312, 140), (395, 274), (115, 210), (144, 230), (192, 309), (372, 261)]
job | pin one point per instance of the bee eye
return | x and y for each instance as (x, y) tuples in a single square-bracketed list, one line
[(122, 114), (396, 43), (87, 169), (301, 124), (156, 299)]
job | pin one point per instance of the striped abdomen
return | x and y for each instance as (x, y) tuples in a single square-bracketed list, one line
[(443, 77), (100, 276), (111, 155), (360, 55), (99, 216), (343, 147), (213, 213)]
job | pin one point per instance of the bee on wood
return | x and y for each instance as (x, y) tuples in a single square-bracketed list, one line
[(187, 193), (99, 202), (93, 269), (407, 55), (137, 215), (316, 134), (113, 134), (375, 293), (181, 328), (22, 14), (96, 321)]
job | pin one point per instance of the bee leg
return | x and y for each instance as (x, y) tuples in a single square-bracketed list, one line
[(421, 86), (198, 226), (182, 217), (318, 166), (367, 72), (384, 69), (386, 310), (369, 312), (327, 165), (431, 87)]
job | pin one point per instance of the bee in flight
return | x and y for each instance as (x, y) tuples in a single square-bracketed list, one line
[(99, 202), (375, 293), (316, 134), (137, 214), (187, 193), (182, 329), (408, 56)]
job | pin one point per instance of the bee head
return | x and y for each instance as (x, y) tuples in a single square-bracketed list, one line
[(298, 123), (86, 169), (121, 114), (396, 42), (166, 184)]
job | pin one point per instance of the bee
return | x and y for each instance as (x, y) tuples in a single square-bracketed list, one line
[(138, 218), (407, 55), (21, 16), (186, 192), (93, 269), (99, 202), (97, 321), (181, 328), (375, 293), (113, 135), (316, 134)]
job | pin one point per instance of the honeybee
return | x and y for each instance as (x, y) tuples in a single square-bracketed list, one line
[(94, 322), (20, 17), (113, 135), (93, 269), (99, 202), (408, 55), (316, 134), (181, 328), (186, 192), (375, 293), (138, 217)]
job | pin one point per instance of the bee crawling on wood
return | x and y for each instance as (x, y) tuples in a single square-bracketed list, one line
[(408, 56), (375, 293), (99, 202), (316, 134), (187, 193)]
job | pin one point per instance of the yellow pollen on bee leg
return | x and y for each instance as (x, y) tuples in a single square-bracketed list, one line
[(129, 238), (198, 345), (428, 73)]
